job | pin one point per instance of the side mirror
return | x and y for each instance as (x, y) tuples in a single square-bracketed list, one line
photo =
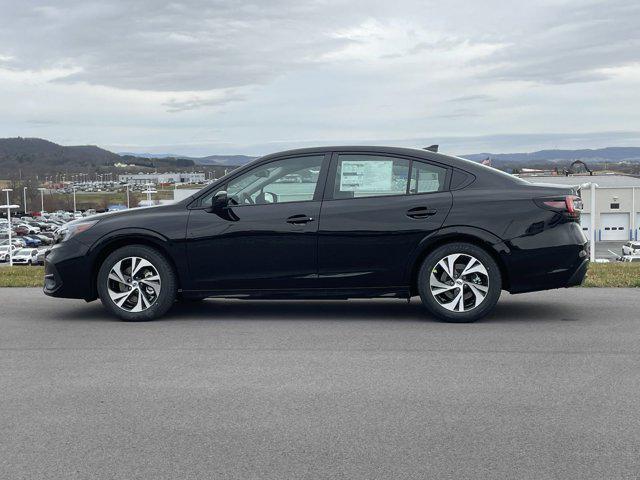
[(220, 206), (219, 201)]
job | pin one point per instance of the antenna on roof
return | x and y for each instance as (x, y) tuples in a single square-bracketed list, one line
[(432, 148)]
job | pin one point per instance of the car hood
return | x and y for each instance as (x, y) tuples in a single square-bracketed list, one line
[(132, 212)]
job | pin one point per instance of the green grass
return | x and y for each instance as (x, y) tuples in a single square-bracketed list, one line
[(599, 275), (613, 275), (22, 276)]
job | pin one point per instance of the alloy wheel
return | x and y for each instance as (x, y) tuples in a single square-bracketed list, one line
[(459, 282), (134, 284)]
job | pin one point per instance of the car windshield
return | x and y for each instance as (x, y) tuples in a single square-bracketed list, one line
[(23, 251)]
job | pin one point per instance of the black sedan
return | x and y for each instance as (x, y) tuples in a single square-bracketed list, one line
[(333, 222)]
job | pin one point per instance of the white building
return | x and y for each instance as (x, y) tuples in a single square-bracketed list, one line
[(182, 193), (144, 178), (617, 209)]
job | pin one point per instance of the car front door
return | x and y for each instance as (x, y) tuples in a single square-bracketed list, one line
[(266, 236), (377, 209)]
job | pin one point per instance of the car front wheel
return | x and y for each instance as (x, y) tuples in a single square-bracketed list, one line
[(459, 282), (137, 283)]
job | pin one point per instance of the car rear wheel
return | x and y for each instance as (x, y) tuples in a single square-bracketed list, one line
[(137, 283), (459, 282)]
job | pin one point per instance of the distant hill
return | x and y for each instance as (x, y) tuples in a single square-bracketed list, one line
[(224, 160), (31, 156), (38, 155), (219, 160), (609, 154), (35, 150)]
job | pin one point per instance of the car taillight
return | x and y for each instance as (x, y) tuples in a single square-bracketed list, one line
[(570, 204)]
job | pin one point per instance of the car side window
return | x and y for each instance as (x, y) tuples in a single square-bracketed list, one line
[(281, 181), (370, 176), (427, 178)]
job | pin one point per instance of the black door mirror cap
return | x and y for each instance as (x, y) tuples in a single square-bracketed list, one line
[(218, 202)]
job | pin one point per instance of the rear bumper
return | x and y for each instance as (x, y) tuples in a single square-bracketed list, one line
[(578, 276), (556, 258)]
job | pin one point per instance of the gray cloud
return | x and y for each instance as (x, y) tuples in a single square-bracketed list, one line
[(179, 46), (193, 45), (460, 113), (569, 43), (455, 145), (473, 99), (334, 70), (174, 105)]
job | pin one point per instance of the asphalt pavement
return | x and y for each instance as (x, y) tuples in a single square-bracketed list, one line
[(609, 250), (546, 388)]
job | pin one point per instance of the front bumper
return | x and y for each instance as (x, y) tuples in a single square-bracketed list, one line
[(68, 272)]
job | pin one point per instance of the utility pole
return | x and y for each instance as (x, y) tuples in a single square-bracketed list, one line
[(41, 199), (149, 191), (24, 194)]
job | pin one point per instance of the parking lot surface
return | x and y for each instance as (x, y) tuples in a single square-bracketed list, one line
[(609, 250), (548, 387)]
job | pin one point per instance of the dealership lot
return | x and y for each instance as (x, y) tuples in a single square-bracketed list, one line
[(548, 387)]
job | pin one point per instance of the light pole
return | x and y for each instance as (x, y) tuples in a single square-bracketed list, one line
[(74, 199), (24, 195), (41, 200), (8, 206), (127, 185)]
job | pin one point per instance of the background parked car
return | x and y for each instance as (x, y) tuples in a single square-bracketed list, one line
[(631, 248), (22, 230), (44, 239), (40, 257), (4, 252), (16, 241), (26, 256), (32, 241), (32, 229)]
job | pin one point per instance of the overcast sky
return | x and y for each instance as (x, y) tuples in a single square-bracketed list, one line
[(225, 76)]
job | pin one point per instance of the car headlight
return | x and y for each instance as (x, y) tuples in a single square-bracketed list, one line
[(72, 229)]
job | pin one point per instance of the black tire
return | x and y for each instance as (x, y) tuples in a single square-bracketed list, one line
[(475, 312), (168, 290)]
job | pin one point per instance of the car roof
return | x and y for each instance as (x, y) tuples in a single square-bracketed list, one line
[(451, 160), (412, 152)]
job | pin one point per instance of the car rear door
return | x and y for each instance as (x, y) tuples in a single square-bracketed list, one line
[(377, 207)]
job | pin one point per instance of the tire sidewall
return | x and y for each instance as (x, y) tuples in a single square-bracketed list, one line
[(493, 294), (167, 278)]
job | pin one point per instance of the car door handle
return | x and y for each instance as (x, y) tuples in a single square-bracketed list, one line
[(299, 219), (421, 212)]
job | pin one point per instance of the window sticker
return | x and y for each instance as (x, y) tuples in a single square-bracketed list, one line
[(370, 176), (428, 182)]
